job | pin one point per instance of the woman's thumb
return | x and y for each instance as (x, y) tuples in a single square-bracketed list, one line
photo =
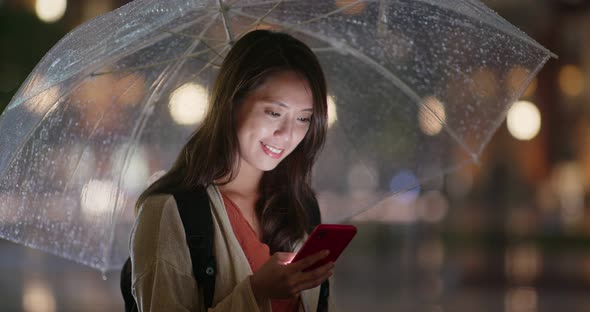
[(284, 257)]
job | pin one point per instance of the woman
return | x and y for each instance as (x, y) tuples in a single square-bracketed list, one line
[(253, 153)]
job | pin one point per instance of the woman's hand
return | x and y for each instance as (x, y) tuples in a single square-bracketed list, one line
[(279, 279)]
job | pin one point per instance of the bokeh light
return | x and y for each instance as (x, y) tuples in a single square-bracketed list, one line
[(99, 197), (349, 6), (188, 104), (332, 112), (432, 206), (405, 185), (571, 80), (523, 263), (524, 120), (485, 82), (521, 299), (363, 178), (431, 116), (567, 181), (132, 163), (50, 11), (532, 87), (130, 89), (431, 255), (38, 296)]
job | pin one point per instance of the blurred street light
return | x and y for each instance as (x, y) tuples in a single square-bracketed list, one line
[(571, 80), (524, 120), (50, 11), (188, 104)]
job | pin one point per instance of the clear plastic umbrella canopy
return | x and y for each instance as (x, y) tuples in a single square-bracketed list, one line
[(416, 89)]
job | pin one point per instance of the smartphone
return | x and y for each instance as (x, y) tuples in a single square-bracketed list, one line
[(334, 237)]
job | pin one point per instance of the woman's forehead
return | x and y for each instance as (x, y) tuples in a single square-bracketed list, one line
[(286, 89)]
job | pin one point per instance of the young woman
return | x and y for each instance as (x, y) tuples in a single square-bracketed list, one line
[(253, 153)]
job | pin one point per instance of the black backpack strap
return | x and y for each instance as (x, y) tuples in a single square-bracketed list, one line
[(195, 213), (324, 294), (315, 218), (125, 283)]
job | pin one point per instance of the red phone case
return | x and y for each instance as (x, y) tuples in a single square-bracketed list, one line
[(334, 237)]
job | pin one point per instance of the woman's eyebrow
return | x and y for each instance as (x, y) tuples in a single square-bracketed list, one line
[(281, 104)]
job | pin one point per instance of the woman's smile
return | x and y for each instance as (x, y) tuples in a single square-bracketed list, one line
[(272, 151)]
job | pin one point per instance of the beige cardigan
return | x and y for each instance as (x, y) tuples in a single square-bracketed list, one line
[(162, 278)]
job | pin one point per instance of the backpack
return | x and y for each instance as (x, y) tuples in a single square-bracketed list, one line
[(198, 226)]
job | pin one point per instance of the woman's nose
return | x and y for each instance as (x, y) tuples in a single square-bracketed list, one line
[(284, 130)]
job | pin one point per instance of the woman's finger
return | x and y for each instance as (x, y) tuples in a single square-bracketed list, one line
[(309, 260), (312, 283), (317, 272), (284, 257)]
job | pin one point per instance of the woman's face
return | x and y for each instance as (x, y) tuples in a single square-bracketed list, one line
[(273, 119)]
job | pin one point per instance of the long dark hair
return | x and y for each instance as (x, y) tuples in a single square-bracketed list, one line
[(213, 150)]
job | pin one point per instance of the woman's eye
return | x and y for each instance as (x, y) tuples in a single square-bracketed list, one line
[(305, 119), (273, 114)]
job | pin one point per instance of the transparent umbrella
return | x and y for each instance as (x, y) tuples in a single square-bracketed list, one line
[(416, 89)]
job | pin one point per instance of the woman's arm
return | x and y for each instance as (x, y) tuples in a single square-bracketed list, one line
[(164, 288), (162, 269)]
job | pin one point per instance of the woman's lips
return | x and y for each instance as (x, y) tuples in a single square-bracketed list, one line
[(272, 151)]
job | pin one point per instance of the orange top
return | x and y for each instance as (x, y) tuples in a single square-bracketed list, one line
[(256, 251)]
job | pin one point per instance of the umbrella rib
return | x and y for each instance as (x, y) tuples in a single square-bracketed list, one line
[(257, 3), (380, 68), (67, 186), (95, 66), (515, 97), (329, 13), (211, 62), (261, 18), (311, 20), (191, 36), (191, 55), (516, 31), (495, 23), (223, 9), (67, 92), (167, 75), (26, 139)]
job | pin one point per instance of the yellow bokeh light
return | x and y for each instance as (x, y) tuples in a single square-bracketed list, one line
[(571, 80), (130, 89), (530, 90), (517, 76), (431, 116), (351, 7), (523, 263), (188, 104), (521, 299), (38, 296), (50, 11), (524, 120), (332, 114), (485, 82), (99, 197)]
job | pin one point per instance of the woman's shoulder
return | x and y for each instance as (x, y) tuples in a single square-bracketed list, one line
[(158, 232), (157, 201), (156, 212)]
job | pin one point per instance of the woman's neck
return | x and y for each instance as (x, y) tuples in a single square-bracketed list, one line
[(246, 183)]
